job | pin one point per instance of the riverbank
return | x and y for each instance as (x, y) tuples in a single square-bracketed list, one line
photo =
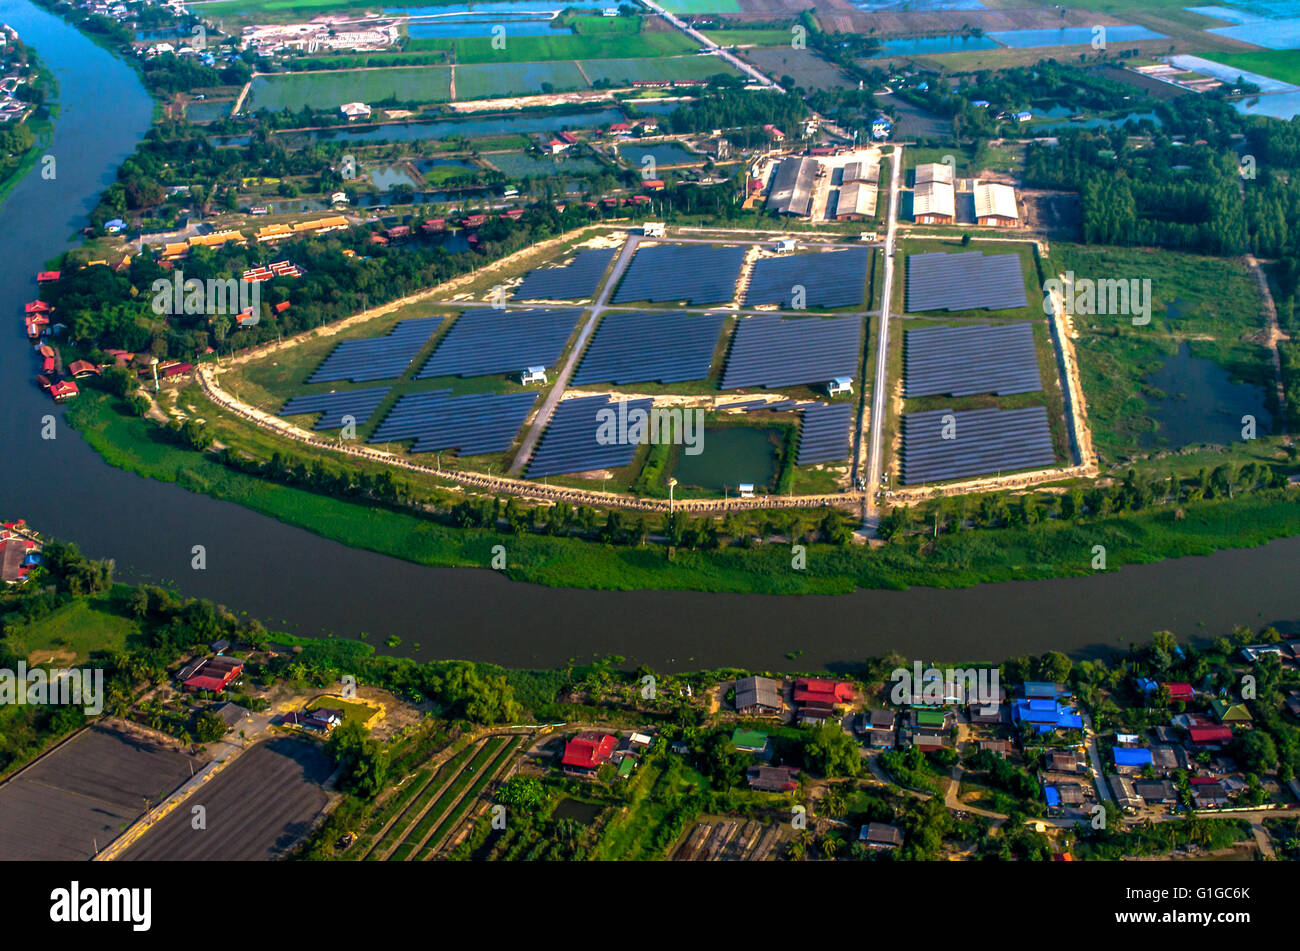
[(38, 125), (962, 559)]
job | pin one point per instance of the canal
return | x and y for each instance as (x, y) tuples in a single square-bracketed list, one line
[(297, 581)]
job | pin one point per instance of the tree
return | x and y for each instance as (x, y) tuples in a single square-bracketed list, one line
[(362, 763), (830, 752)]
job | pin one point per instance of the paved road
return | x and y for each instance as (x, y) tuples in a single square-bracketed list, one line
[(880, 385), (750, 71), (1099, 778), (562, 378)]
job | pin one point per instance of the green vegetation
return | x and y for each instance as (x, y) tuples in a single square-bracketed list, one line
[(1282, 65), (69, 635), (562, 46)]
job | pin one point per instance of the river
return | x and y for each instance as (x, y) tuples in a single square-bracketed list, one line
[(299, 582)]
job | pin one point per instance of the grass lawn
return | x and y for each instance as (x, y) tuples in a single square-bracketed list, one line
[(352, 712), (1282, 65), (72, 633)]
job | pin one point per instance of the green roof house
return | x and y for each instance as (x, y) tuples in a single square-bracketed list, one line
[(749, 741), (1230, 713)]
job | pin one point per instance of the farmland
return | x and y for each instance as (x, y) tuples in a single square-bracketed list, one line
[(527, 49), (256, 808), (85, 794), (329, 89)]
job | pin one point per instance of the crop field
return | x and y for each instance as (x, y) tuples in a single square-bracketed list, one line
[(258, 807), (806, 68), (332, 88), (488, 81), (750, 36), (85, 794), (570, 46), (668, 67)]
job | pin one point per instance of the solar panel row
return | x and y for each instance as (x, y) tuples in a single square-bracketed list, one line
[(474, 424), (577, 279), (976, 358), (570, 443), (486, 341), (825, 433), (965, 281), (334, 407), (822, 279), (696, 273), (377, 358), (976, 442), (638, 348), (772, 351)]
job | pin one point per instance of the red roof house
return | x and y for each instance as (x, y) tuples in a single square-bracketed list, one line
[(46, 277), (63, 390), (1181, 691), (281, 307), (37, 307), (473, 221), (80, 368), (829, 692), (587, 751), (1204, 735)]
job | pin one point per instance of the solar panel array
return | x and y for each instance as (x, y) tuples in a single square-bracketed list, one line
[(696, 273), (579, 278), (965, 281), (474, 424), (774, 351), (486, 341), (980, 442), (828, 279), (638, 348), (377, 358), (359, 404), (570, 445), (825, 433), (976, 358)]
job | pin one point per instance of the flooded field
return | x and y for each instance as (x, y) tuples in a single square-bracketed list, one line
[(1201, 404)]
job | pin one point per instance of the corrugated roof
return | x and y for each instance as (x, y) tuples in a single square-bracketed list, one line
[(792, 187), (933, 172), (996, 199), (934, 198)]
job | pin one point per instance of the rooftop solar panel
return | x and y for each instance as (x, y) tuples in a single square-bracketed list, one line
[(973, 443), (695, 273), (570, 443), (577, 279), (639, 348), (827, 278), (487, 341), (970, 359), (964, 281), (335, 408), (773, 351), (377, 358), (474, 424)]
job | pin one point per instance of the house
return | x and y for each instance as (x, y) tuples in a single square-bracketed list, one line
[(995, 205), (1131, 760), (879, 835), (556, 146), (620, 128), (1158, 793), (881, 127), (82, 368), (928, 172), (1063, 762), (1256, 651), (999, 748), (47, 277), (63, 390), (355, 110), (1208, 793), (533, 375), (749, 741), (1046, 715), (926, 741), (785, 245), (791, 192), (12, 557), (1038, 689), (1180, 691), (759, 697), (1231, 714), (1022, 116), (587, 752), (653, 229), (1125, 795), (1209, 735), (877, 721), (320, 720), (856, 201), (775, 134), (932, 720), (816, 700), (1293, 703), (1167, 758), (215, 674), (840, 386), (772, 778)]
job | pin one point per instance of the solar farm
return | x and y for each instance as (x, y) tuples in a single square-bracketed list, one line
[(663, 325), (979, 390), (941, 444), (965, 360), (964, 281), (826, 279)]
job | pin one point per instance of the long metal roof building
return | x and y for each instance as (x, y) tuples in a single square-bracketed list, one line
[(792, 187)]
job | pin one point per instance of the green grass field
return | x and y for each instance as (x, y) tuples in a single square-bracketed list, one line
[(72, 633), (1282, 65), (750, 37), (562, 46), (330, 89), (490, 80)]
